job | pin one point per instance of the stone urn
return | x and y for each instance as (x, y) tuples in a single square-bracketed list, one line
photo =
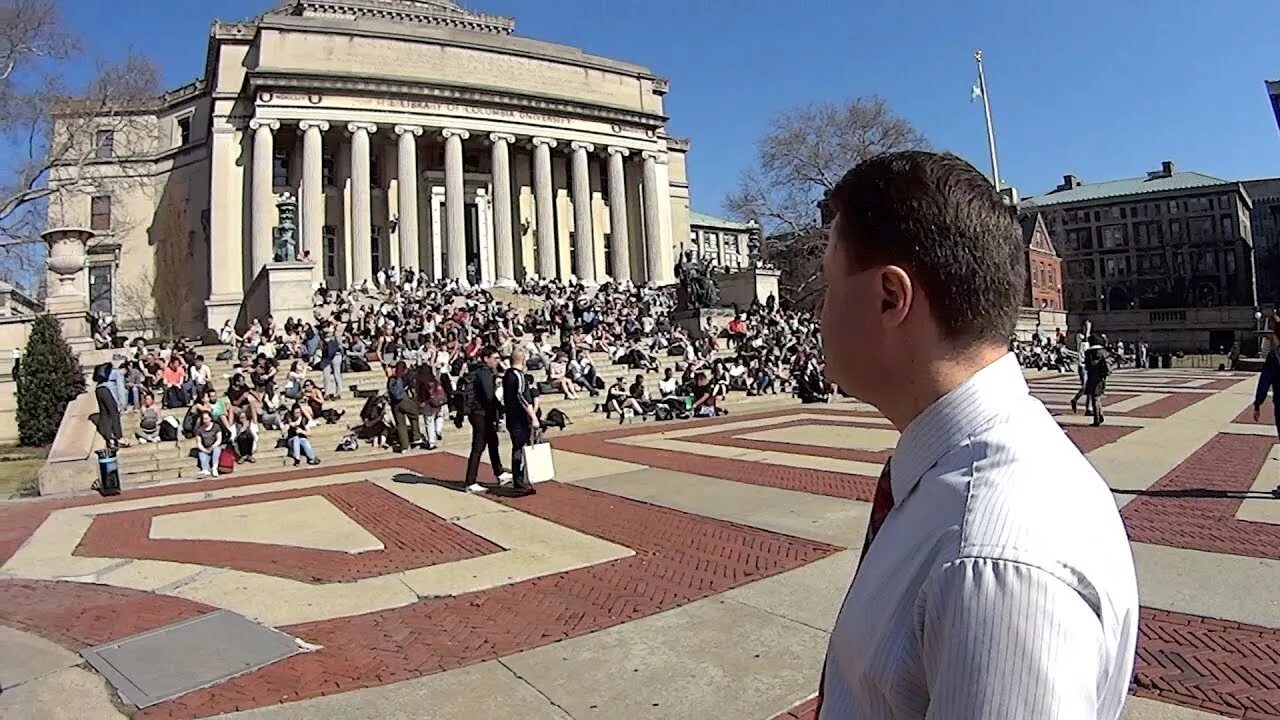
[(66, 257)]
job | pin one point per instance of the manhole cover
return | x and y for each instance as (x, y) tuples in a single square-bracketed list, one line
[(170, 661)]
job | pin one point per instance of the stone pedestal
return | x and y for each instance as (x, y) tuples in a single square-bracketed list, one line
[(66, 301), (743, 287), (282, 290), (694, 322)]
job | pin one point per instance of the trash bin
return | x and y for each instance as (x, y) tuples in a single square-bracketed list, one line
[(1166, 361), (108, 472)]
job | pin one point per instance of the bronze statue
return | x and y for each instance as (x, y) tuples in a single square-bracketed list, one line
[(697, 285), (285, 245)]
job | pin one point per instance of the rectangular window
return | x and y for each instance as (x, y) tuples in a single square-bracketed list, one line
[(1173, 207), (101, 280), (104, 143), (1229, 261), (184, 130), (329, 237), (326, 168), (100, 212), (280, 169), (1113, 236), (1227, 227), (375, 246)]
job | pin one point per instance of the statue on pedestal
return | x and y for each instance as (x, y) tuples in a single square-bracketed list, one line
[(285, 244), (698, 288)]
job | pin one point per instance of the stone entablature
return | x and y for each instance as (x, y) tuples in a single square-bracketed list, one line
[(440, 14)]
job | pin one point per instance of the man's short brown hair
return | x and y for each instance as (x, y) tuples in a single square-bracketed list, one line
[(941, 220)]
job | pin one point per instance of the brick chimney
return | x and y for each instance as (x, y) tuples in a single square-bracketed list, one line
[(1069, 182)]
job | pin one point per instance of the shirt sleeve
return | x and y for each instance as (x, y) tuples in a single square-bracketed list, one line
[(1004, 640)]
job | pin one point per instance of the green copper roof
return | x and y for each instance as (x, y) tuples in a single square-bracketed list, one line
[(1122, 188), (698, 219)]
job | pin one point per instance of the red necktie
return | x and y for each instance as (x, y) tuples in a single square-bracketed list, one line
[(881, 504)]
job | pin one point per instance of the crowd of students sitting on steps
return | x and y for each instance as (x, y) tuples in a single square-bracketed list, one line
[(426, 335)]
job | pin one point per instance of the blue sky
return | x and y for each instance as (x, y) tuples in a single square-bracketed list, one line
[(1099, 88)]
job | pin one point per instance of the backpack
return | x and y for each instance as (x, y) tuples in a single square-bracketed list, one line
[(223, 356), (662, 413), (557, 418), (169, 430), (437, 398), (189, 425), (227, 461), (470, 401), (348, 443)]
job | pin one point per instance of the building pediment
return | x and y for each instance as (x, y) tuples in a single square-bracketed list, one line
[(438, 13)]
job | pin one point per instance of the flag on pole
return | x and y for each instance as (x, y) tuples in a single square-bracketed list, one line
[(975, 93)]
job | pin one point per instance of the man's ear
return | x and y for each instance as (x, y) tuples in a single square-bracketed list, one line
[(897, 294)]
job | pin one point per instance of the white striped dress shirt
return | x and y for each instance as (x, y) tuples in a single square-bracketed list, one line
[(1001, 585)]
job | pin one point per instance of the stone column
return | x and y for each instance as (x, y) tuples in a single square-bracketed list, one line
[(455, 222), (361, 210), (502, 231), (407, 188), (652, 217), (264, 197), (584, 252), (619, 245), (544, 210), (312, 214), (226, 223), (484, 239)]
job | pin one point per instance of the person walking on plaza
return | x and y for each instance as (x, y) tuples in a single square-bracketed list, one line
[(481, 406), (1268, 380), (1095, 379), (996, 579), (522, 420), (404, 408)]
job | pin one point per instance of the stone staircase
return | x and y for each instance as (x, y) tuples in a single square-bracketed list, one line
[(149, 463)]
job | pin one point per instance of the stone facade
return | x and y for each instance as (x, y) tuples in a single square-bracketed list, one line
[(726, 243), (416, 134), (1264, 219), (1170, 240)]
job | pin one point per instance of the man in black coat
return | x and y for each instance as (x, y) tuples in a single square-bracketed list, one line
[(522, 420), (481, 406)]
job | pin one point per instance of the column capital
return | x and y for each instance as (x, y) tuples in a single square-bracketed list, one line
[(406, 129), (615, 150), (368, 127), (658, 157), (502, 137), (447, 133), (321, 125), (269, 123), (543, 141), (579, 145)]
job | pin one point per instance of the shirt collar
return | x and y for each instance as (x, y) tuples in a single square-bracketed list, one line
[(959, 414)]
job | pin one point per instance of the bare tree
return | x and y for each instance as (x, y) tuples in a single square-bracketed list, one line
[(58, 131), (798, 161)]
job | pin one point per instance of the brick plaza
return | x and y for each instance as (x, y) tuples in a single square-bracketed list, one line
[(681, 569)]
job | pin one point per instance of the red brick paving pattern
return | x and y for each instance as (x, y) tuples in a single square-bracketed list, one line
[(1222, 468), (807, 710), (80, 615), (1266, 414), (412, 538), (1220, 666)]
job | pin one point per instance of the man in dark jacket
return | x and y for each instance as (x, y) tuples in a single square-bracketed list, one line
[(480, 403), (522, 420)]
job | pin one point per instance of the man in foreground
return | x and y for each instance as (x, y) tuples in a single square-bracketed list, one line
[(996, 580)]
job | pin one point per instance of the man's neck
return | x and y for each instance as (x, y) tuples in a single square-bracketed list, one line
[(933, 379)]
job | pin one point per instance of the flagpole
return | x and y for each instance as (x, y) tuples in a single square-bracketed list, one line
[(986, 108)]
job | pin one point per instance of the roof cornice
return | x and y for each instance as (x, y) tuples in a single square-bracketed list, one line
[(258, 80)]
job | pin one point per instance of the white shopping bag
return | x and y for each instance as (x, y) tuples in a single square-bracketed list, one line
[(537, 461)]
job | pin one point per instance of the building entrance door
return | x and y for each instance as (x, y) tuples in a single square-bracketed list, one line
[(472, 218)]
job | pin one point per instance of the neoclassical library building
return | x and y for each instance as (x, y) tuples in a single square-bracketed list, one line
[(413, 134)]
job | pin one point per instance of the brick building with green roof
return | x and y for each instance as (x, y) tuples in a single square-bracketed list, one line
[(1168, 240)]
